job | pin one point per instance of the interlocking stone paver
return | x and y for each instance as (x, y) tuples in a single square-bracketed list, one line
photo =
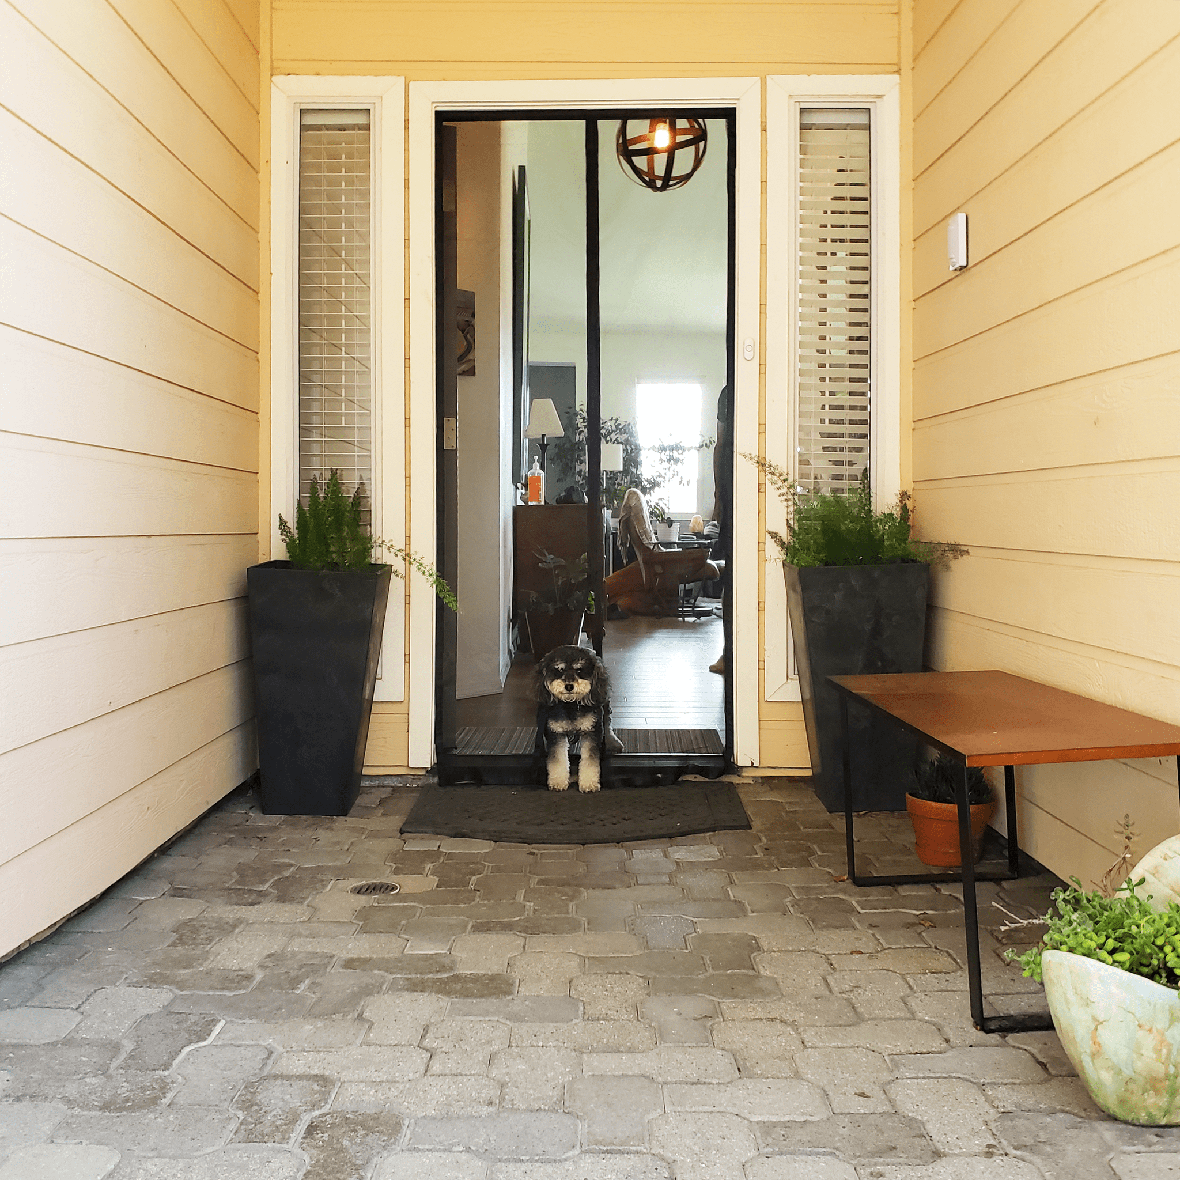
[(401, 1018), (25, 1123), (665, 1063), (993, 1063), (1056, 1096), (111, 1011), (609, 997), (859, 1137), (885, 1036), (161, 1037), (662, 931), (330, 1033), (343, 1144), (967, 1167), (1146, 1166), (726, 952), (56, 1161), (799, 1167), (441, 1095), (213, 1074), (853, 1079), (680, 1020), (614, 1110), (432, 936), (36, 1026), (519, 1009), (1046, 1048), (417, 1165), (382, 1063), (487, 953), (774, 932), (167, 1131), (591, 1036), (506, 1135), (590, 943), (704, 1146), (761, 1048), (471, 985), (752, 1098), (954, 1112), (534, 1079), (587, 1166), (1062, 1146), (272, 1107), (463, 1046), (544, 973), (39, 1071)]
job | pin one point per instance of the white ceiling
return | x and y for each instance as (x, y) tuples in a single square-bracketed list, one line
[(663, 255)]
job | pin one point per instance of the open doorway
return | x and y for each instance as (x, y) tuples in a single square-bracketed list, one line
[(568, 292)]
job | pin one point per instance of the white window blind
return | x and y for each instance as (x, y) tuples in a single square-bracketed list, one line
[(335, 299), (834, 298)]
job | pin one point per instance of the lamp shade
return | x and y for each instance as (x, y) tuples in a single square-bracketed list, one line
[(543, 419), (612, 456)]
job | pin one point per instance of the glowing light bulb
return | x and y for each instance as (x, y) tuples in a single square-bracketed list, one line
[(663, 137)]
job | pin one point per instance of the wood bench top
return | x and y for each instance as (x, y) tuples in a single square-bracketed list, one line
[(998, 719)]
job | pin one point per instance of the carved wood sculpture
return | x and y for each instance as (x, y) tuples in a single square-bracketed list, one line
[(650, 585)]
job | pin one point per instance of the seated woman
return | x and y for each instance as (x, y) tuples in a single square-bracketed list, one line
[(650, 585)]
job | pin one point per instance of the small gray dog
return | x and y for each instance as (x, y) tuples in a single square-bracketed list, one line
[(573, 706)]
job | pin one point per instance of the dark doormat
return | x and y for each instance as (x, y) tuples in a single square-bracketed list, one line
[(532, 815)]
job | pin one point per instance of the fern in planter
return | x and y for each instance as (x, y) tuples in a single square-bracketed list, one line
[(842, 528), (330, 534)]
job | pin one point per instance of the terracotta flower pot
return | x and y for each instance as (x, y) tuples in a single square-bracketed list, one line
[(936, 829)]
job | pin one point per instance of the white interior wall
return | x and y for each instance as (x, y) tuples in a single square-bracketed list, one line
[(481, 662)]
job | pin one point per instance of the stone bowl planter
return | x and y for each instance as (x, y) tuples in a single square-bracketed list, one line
[(1161, 868), (1122, 1033)]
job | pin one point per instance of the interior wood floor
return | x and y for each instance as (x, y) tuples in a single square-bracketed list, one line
[(660, 679)]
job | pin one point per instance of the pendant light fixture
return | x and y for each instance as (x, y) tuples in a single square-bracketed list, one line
[(661, 153)]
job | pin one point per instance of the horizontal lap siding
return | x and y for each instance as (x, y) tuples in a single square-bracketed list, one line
[(1047, 375), (130, 418), (572, 39)]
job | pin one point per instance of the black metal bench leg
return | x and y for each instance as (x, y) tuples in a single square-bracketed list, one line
[(970, 907), (1010, 815), (846, 766)]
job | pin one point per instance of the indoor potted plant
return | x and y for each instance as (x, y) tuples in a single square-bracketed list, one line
[(315, 623), (554, 616), (856, 596), (1111, 967), (934, 811)]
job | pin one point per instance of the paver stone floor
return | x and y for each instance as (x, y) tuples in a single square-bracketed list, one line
[(722, 1007)]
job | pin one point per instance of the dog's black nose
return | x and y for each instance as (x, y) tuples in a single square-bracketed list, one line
[(569, 686)]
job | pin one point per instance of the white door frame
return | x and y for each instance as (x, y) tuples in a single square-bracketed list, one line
[(745, 96)]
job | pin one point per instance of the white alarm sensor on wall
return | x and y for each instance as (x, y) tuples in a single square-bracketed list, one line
[(956, 241)]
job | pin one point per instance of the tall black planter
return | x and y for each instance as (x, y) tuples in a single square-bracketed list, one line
[(315, 637), (850, 621)]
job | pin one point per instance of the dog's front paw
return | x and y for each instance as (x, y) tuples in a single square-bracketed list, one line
[(588, 773), (587, 788), (559, 784)]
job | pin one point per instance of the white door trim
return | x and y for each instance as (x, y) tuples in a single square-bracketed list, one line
[(785, 94), (745, 96), (385, 97)]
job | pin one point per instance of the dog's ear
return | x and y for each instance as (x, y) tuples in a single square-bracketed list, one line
[(599, 683)]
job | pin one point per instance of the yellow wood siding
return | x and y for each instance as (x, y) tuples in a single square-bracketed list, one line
[(530, 39), (1047, 374), (130, 414)]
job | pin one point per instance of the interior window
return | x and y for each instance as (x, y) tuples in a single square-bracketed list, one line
[(668, 417)]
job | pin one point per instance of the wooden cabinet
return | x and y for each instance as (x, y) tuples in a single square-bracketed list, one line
[(561, 529)]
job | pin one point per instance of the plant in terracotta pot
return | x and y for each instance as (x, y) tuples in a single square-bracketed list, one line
[(935, 813), (554, 616), (315, 623), (1111, 969), (856, 594)]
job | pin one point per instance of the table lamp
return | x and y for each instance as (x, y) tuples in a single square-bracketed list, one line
[(543, 422)]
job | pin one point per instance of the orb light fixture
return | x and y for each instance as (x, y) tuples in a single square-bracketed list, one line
[(661, 153)]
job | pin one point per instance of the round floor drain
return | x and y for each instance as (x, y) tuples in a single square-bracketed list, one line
[(376, 887)]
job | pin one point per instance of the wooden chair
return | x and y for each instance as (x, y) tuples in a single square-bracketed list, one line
[(650, 585)]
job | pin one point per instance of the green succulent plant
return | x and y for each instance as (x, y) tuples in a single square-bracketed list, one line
[(1121, 931)]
